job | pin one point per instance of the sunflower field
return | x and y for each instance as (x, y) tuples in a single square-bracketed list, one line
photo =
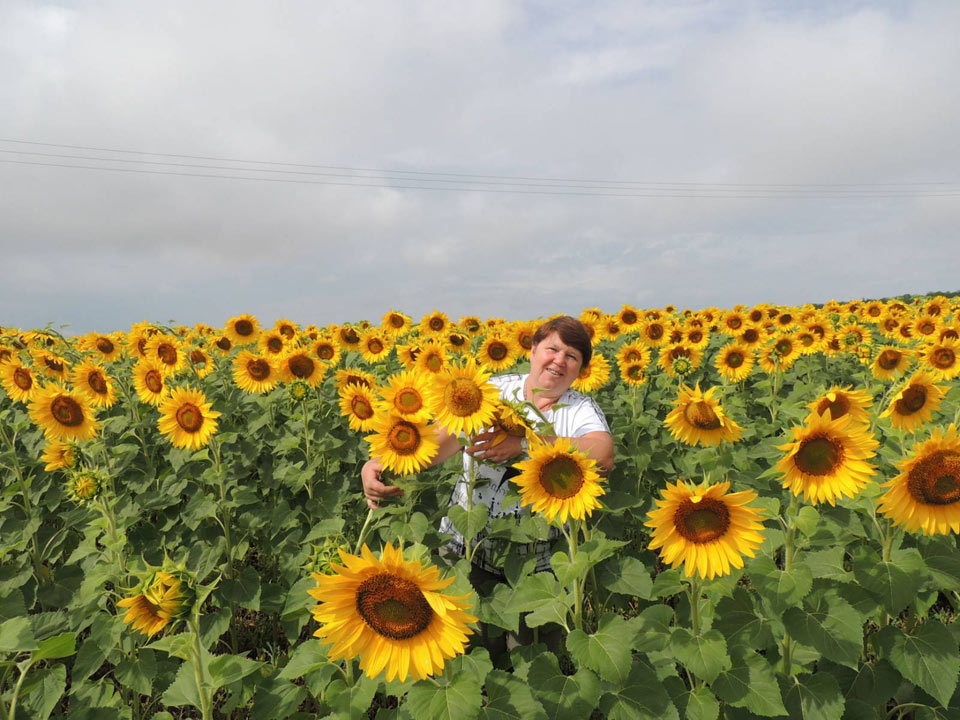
[(183, 531)]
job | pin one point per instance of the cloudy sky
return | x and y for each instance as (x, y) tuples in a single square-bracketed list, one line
[(328, 161)]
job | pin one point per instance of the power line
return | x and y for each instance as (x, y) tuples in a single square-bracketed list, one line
[(474, 175), (473, 189)]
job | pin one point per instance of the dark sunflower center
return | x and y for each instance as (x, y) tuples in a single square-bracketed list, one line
[(655, 331), (806, 339), (785, 319), (889, 359), (628, 318), (350, 336), (198, 358), (912, 400), (944, 358), (167, 353), (695, 336), (104, 345), (703, 521), (274, 344), (926, 328), (701, 415), (632, 355), (935, 479), (393, 607), (526, 340), (436, 324), (734, 359), (66, 411), (154, 381), (243, 328), (375, 346), (734, 323), (404, 438), (301, 366), (54, 365), (259, 369), (97, 382), (634, 372), (22, 379), (396, 321), (434, 362), (562, 477), (189, 417), (287, 331), (357, 380), (462, 397), (751, 335), (838, 407), (497, 351), (361, 407), (224, 344), (819, 456), (783, 347), (408, 400), (756, 315), (325, 351)]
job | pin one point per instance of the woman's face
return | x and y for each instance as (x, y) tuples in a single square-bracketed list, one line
[(554, 365)]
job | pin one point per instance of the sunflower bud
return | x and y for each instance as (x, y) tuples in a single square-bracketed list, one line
[(84, 484), (682, 366), (164, 596), (298, 390)]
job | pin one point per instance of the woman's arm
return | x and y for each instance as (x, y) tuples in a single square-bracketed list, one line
[(375, 491)]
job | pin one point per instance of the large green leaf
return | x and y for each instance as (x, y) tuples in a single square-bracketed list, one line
[(750, 684), (351, 700), (742, 622), (226, 669), (16, 635), (641, 697), (543, 597), (564, 697), (701, 705), (875, 683), (651, 628), (458, 698), (813, 697), (928, 656), (828, 564), (46, 689), (780, 589), (509, 698), (627, 576), (894, 582), (607, 651), (942, 559), (828, 623), (705, 655)]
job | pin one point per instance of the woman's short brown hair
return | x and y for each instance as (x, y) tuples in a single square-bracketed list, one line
[(571, 331)]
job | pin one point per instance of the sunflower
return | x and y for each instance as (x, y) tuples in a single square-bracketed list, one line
[(402, 445), (391, 614), (751, 336), (357, 404), (594, 376), (432, 358), (841, 402), (697, 418), (242, 330), (51, 365), (628, 318), (926, 327), (914, 404), (57, 455), (471, 325), (164, 599), (83, 485), (696, 337), (272, 343), (149, 382), (297, 364), (375, 345), (255, 373), (522, 335), (633, 373), (395, 323), (633, 352), (18, 380), (498, 353), (406, 395), (187, 418), (609, 328), (925, 495), (559, 480), (200, 361), (166, 353), (221, 344), (287, 328), (326, 350), (827, 459), (461, 399), (343, 378), (779, 355), (734, 362), (890, 361), (734, 322), (942, 359), (62, 414), (679, 360), (705, 528), (348, 337), (872, 311), (435, 323), (90, 379), (107, 346)]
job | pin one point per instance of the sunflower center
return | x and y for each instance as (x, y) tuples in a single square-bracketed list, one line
[(632, 355), (198, 358), (224, 344), (325, 351), (695, 336), (167, 353), (436, 324), (243, 328), (274, 344), (22, 379), (701, 415), (54, 365), (396, 321), (783, 347), (734, 323), (634, 372), (84, 487), (526, 340), (434, 362), (404, 438), (259, 369), (153, 381), (819, 456), (301, 366), (393, 607), (734, 359), (889, 359), (655, 331), (926, 328), (838, 407), (361, 407), (104, 345), (628, 318), (462, 397), (935, 480), (66, 411), (912, 400), (497, 351), (751, 335), (375, 346), (562, 477), (97, 382), (702, 521), (350, 336), (408, 400), (189, 417), (944, 358)]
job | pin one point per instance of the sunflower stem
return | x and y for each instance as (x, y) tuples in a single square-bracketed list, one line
[(196, 658), (11, 442), (363, 532), (789, 550), (578, 582), (468, 551), (306, 446), (694, 595)]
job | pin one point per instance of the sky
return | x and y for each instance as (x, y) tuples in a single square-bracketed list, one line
[(330, 161)]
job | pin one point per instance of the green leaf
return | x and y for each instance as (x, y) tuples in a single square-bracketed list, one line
[(567, 571), (276, 699), (543, 596), (469, 524), (16, 635), (942, 558), (741, 622), (894, 583), (701, 705), (226, 669), (651, 628), (58, 646), (607, 651), (307, 656), (704, 655), (138, 674), (459, 698), (928, 656), (807, 520), (667, 584), (781, 589), (828, 623), (640, 697), (183, 690), (828, 564), (509, 698), (813, 697), (627, 576), (351, 701), (750, 684), (564, 697), (243, 590), (49, 684), (875, 683), (495, 609)]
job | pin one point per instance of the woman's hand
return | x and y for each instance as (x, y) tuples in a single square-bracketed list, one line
[(495, 446), (373, 490)]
